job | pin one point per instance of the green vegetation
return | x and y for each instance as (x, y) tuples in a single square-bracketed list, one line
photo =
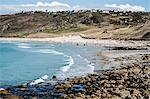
[(67, 30)]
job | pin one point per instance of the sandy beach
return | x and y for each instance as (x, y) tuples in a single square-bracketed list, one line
[(79, 40)]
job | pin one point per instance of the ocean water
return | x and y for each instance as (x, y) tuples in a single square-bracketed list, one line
[(22, 62)]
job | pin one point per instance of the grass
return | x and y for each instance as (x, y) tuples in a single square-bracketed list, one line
[(68, 30)]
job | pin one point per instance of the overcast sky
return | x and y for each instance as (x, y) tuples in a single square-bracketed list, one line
[(12, 6)]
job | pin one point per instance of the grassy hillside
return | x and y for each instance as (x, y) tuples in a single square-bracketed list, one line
[(110, 25)]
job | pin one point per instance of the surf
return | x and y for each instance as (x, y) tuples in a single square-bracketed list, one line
[(28, 61), (69, 63), (23, 45)]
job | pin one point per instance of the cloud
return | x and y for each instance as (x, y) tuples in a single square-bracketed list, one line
[(45, 4), (39, 6), (125, 7)]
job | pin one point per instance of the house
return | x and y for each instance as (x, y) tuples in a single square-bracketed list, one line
[(93, 10), (125, 20), (121, 13), (105, 11), (114, 15)]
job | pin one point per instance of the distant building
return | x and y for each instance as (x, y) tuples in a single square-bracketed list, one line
[(105, 11), (125, 20), (93, 10), (114, 15), (121, 14)]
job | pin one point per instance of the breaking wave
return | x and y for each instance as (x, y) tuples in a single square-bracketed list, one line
[(23, 45), (40, 80), (49, 51), (70, 62)]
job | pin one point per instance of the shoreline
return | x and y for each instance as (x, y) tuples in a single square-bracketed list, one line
[(113, 83), (79, 40)]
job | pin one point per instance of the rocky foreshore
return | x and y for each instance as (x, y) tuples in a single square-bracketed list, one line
[(128, 82)]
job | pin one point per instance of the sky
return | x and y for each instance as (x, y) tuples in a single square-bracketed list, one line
[(13, 6)]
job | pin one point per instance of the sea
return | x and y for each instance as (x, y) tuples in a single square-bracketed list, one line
[(23, 62)]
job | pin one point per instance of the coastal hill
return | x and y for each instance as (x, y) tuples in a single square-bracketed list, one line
[(103, 24)]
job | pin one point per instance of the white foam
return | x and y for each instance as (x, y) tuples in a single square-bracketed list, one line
[(37, 81), (65, 68), (40, 80), (23, 45), (80, 69), (70, 62), (45, 77), (49, 51)]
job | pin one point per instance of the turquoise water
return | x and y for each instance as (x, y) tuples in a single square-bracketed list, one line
[(21, 62)]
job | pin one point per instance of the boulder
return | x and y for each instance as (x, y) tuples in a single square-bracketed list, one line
[(146, 35)]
